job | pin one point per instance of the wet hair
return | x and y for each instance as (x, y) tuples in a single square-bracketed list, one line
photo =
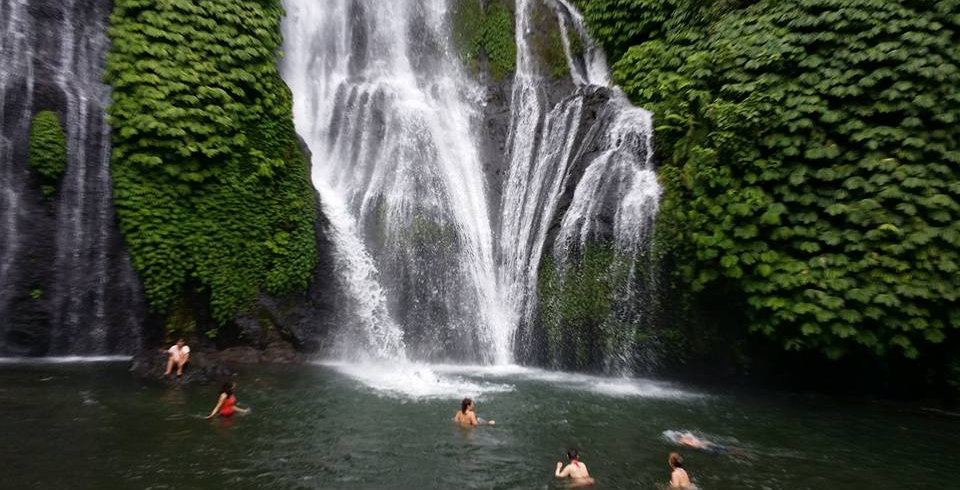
[(572, 453), (676, 461), (179, 340), (464, 404), (228, 387)]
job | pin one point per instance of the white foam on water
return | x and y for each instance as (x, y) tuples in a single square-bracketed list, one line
[(452, 381), (63, 359), (601, 385), (415, 381)]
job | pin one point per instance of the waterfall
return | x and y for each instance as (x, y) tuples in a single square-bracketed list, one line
[(66, 285), (606, 160), (437, 265), (591, 67), (381, 99)]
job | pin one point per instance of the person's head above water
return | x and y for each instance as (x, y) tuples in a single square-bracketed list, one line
[(676, 461), (465, 404), (572, 454), (180, 342), (229, 387)]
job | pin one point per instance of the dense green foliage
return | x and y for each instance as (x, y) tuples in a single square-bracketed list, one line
[(210, 185), (48, 150), (488, 31), (810, 155)]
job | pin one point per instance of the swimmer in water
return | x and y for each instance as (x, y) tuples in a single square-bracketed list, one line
[(466, 416), (689, 440), (679, 477), (226, 404), (576, 471)]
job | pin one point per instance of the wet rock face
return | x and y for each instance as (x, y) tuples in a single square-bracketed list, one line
[(303, 319), (67, 285), (66, 282)]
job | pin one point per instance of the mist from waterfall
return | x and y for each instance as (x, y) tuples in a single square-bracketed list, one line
[(91, 298)]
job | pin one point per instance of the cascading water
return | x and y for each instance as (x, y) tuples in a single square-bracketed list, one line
[(381, 100), (605, 160), (393, 122), (590, 67), (66, 286)]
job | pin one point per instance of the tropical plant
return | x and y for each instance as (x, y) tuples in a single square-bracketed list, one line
[(485, 30), (810, 155), (48, 150), (210, 184)]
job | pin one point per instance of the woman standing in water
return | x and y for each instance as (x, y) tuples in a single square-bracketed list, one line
[(466, 416), (226, 404), (576, 471)]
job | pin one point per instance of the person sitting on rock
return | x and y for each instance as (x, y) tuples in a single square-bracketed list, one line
[(179, 356)]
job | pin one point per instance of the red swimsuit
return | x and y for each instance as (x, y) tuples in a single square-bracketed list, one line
[(226, 410)]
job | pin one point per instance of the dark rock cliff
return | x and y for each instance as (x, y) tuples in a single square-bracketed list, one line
[(67, 285), (66, 282)]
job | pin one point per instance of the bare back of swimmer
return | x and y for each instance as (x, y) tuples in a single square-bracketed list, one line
[(678, 475), (576, 471), (466, 416)]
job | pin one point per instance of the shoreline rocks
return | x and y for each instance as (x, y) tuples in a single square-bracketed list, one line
[(211, 366)]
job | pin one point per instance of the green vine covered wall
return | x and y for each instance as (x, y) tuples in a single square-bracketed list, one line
[(211, 187), (48, 150), (810, 155), (488, 30)]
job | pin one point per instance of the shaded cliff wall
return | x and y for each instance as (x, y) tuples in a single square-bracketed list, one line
[(66, 283)]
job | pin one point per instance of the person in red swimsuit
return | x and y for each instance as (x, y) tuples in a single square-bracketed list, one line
[(226, 404)]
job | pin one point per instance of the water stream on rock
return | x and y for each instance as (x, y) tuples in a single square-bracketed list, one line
[(386, 110), (88, 298)]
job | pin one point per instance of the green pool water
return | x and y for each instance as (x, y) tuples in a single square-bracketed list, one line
[(92, 426)]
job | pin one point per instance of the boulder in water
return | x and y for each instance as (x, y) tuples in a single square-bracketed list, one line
[(202, 368)]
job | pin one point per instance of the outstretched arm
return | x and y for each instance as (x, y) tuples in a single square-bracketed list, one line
[(561, 473), (223, 396)]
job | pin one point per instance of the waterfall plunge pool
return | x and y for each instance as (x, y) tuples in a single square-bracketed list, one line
[(332, 425)]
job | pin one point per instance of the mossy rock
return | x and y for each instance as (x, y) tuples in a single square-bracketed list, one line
[(485, 32), (48, 150)]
